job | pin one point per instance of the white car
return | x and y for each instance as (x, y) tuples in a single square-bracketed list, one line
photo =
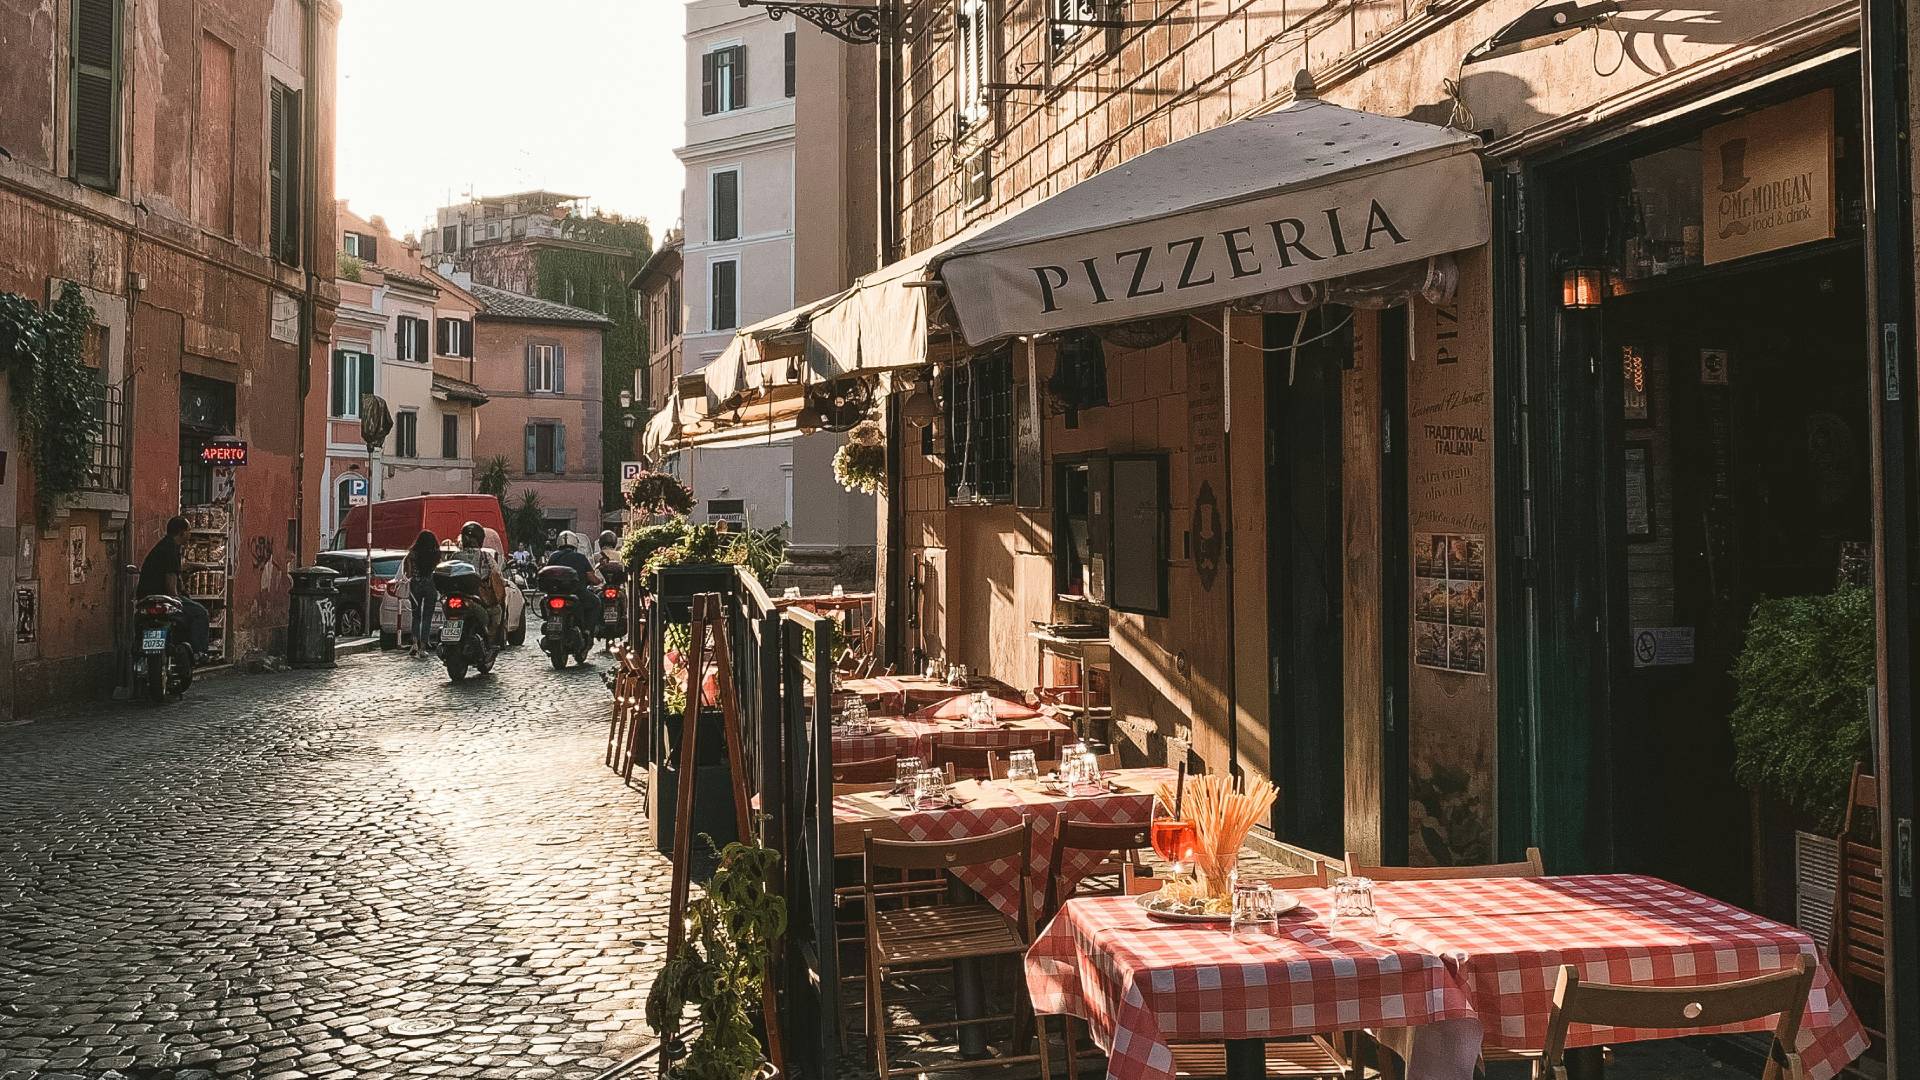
[(396, 612)]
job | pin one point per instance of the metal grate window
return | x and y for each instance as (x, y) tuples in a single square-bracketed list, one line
[(108, 469), (980, 429)]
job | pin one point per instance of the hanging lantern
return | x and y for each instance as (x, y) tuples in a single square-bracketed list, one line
[(1582, 287)]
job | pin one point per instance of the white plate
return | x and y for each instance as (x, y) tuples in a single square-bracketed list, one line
[(1284, 902)]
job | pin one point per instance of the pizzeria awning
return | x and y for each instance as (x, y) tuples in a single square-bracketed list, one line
[(1308, 193)]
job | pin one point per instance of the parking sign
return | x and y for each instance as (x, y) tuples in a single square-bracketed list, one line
[(631, 470), (356, 490)]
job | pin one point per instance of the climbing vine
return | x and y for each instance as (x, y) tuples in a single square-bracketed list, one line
[(55, 395)]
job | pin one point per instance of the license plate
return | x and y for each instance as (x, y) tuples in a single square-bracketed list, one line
[(552, 626), (450, 632), (610, 617), (153, 641)]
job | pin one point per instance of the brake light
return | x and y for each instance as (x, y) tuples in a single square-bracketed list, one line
[(154, 609), (611, 593), (556, 603), (455, 603)]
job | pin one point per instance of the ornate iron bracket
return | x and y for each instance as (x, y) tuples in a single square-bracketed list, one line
[(856, 24)]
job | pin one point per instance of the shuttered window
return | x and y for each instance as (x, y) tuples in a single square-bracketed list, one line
[(406, 435), (974, 65), (546, 448), (94, 94), (283, 173), (361, 246), (723, 80), (410, 339), (352, 377), (723, 301), (453, 337), (792, 62), (450, 435), (726, 204)]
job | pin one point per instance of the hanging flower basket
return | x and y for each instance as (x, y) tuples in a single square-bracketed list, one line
[(659, 493), (861, 466)]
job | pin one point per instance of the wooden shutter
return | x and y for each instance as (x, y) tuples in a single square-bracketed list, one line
[(726, 205), (560, 448), (443, 336), (283, 173), (739, 78), (1099, 526), (341, 362), (709, 89), (791, 61), (450, 435), (369, 248), (533, 450), (532, 380), (366, 377), (95, 92), (559, 369)]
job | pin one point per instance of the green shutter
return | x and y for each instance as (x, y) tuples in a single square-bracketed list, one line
[(559, 369), (531, 381), (94, 108), (339, 404), (533, 449), (560, 448)]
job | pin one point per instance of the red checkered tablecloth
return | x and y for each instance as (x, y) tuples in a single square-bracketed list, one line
[(902, 737), (1141, 983), (992, 806), (1506, 940)]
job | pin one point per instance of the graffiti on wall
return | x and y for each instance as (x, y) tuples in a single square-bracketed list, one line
[(26, 621)]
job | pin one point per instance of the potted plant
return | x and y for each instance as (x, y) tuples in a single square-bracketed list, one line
[(657, 494), (861, 462), (1800, 714), (722, 968)]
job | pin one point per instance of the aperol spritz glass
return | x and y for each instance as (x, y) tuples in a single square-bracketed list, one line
[(1172, 838)]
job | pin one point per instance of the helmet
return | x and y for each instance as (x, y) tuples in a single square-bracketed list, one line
[(472, 535), (608, 539)]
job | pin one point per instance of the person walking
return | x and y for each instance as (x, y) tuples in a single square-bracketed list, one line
[(422, 557)]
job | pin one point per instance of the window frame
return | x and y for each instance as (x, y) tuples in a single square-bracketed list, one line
[(450, 436), (406, 433), (365, 364), (713, 315), (410, 339), (546, 367), (976, 62), (979, 393), (459, 337), (285, 217), (551, 465), (713, 202), (724, 84)]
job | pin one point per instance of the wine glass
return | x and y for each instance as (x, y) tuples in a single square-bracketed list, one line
[(905, 771), (1172, 838)]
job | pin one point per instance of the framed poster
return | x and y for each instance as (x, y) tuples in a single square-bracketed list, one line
[(1450, 602)]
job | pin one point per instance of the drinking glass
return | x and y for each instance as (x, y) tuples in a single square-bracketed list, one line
[(1252, 912), (1172, 838), (855, 715), (1353, 898), (1022, 766), (839, 590), (905, 770), (1089, 767), (930, 789), (980, 709)]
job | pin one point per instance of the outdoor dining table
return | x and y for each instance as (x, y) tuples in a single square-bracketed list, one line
[(907, 692), (1446, 967), (900, 736)]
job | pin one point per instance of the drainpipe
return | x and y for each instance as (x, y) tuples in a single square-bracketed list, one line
[(309, 200), (1890, 321), (893, 525)]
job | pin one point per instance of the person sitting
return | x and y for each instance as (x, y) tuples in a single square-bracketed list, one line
[(568, 554), (160, 575), (493, 586)]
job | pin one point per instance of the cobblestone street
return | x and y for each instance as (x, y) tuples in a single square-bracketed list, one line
[(365, 872)]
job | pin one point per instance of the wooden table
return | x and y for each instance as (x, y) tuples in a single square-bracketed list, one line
[(989, 804), (898, 736)]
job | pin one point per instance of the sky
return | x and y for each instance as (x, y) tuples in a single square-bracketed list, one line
[(439, 98)]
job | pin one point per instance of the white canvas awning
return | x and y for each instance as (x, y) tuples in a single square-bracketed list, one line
[(1309, 193)]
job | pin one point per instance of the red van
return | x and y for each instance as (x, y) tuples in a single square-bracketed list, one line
[(397, 522)]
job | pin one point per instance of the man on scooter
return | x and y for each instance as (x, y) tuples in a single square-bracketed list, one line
[(493, 586), (568, 554), (160, 574)]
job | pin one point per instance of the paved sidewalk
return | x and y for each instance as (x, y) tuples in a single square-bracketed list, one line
[(364, 872)]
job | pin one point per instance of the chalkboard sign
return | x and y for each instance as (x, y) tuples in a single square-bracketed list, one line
[(1137, 578)]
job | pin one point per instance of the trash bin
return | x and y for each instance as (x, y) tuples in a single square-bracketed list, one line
[(310, 618)]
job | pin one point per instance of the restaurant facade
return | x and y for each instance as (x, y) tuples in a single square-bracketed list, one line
[(1403, 403)]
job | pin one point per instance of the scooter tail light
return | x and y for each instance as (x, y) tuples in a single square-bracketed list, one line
[(556, 603), (156, 610), (611, 594), (455, 603)]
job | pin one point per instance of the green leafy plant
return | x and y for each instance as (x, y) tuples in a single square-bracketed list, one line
[(527, 521), (347, 267), (491, 479), (657, 493), (639, 542), (759, 550), (1800, 713), (55, 394), (860, 467), (722, 966)]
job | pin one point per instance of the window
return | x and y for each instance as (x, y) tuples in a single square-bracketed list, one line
[(546, 448), (1137, 519), (792, 52), (974, 64), (213, 137), (360, 246), (406, 434), (410, 339), (450, 435), (723, 80), (980, 429), (544, 373), (453, 337), (94, 94), (450, 239), (725, 205), (979, 178), (352, 378), (283, 173), (1074, 559), (1074, 20), (723, 301)]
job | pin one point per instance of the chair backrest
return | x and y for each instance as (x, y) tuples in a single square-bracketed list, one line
[(1102, 837), (870, 771), (1319, 878), (1010, 845), (1531, 866), (1682, 1008), (1859, 947), (975, 762)]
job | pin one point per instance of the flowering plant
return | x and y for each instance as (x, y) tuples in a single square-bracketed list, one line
[(659, 493), (860, 467)]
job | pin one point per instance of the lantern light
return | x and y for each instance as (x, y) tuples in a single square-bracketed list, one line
[(1582, 287)]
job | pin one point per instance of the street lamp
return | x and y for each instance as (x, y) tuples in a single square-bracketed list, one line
[(626, 399)]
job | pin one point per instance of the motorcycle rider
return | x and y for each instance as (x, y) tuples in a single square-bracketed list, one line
[(160, 574), (568, 554), (493, 586)]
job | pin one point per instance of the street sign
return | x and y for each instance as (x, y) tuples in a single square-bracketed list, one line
[(630, 471), (356, 490), (224, 453)]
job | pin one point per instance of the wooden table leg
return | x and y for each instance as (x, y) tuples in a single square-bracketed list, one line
[(1246, 1059), (969, 987)]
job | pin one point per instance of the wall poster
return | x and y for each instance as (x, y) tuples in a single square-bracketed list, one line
[(1450, 602)]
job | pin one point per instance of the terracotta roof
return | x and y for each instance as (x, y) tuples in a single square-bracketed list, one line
[(458, 390), (403, 278), (501, 304)]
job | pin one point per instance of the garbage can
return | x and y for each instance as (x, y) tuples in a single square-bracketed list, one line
[(310, 619)]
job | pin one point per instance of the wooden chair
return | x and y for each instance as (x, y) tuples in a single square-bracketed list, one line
[(965, 762), (870, 771), (1531, 866), (1859, 946), (1680, 1008), (902, 935)]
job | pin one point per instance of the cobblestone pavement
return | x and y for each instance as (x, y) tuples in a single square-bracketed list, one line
[(364, 872)]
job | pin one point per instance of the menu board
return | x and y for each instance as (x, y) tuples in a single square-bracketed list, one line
[(1450, 602)]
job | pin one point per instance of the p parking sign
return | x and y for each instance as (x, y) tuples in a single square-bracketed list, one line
[(630, 471), (356, 491)]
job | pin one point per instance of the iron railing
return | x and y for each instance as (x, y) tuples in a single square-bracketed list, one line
[(107, 469)]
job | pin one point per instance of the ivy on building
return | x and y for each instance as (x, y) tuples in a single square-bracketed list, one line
[(597, 280), (55, 395)]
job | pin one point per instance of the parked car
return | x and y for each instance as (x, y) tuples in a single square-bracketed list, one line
[(396, 611), (350, 610)]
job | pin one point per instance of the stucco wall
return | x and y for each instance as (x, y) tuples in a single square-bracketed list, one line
[(500, 350)]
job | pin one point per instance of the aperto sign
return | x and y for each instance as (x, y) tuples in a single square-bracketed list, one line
[(225, 453)]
